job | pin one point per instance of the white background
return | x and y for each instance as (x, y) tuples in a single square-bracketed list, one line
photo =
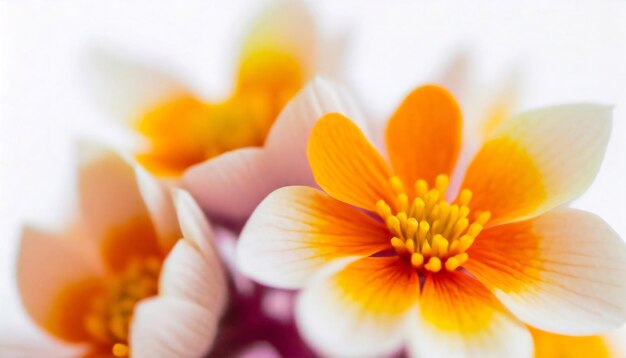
[(567, 51)]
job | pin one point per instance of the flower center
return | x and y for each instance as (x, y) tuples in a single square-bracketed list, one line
[(429, 232), (111, 312)]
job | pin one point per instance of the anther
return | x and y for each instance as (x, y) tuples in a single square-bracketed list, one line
[(417, 260), (433, 265), (427, 230)]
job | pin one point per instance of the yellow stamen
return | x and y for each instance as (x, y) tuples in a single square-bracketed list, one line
[(417, 260), (120, 350), (108, 321), (433, 265), (431, 233)]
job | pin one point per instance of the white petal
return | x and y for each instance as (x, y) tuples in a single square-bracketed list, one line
[(538, 160), (231, 185), (108, 191), (458, 318), (561, 272), (171, 327), (358, 310), (188, 275), (208, 271), (194, 224), (297, 230), (47, 264), (160, 204)]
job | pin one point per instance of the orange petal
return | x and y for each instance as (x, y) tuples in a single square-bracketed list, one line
[(550, 345), (359, 309), (159, 202), (113, 208), (459, 317), (538, 160), (424, 135), (56, 280), (346, 165), (297, 230), (177, 131), (562, 271)]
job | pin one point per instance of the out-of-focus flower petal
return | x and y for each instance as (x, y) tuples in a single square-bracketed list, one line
[(166, 326), (358, 310), (538, 160), (56, 276), (124, 88), (298, 230), (159, 202), (189, 276), (233, 184), (280, 48), (561, 272), (194, 269), (260, 350), (113, 208), (27, 350), (460, 318)]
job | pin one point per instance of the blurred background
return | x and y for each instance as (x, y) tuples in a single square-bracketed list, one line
[(563, 51)]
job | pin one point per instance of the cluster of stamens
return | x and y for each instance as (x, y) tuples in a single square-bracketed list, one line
[(110, 315), (428, 232)]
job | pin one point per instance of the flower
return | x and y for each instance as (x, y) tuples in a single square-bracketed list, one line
[(279, 55), (392, 254), (120, 280)]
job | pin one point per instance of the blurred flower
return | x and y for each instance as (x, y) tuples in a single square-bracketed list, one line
[(388, 257), (120, 281), (279, 55)]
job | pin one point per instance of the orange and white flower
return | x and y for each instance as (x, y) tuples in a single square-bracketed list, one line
[(120, 280), (279, 54), (390, 253)]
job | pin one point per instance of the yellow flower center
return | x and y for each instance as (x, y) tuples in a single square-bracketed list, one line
[(111, 312), (429, 232)]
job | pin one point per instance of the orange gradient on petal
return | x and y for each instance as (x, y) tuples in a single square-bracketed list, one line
[(66, 317), (507, 257), (505, 181), (175, 130), (134, 239), (358, 233), (456, 303), (380, 285), (550, 345)]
